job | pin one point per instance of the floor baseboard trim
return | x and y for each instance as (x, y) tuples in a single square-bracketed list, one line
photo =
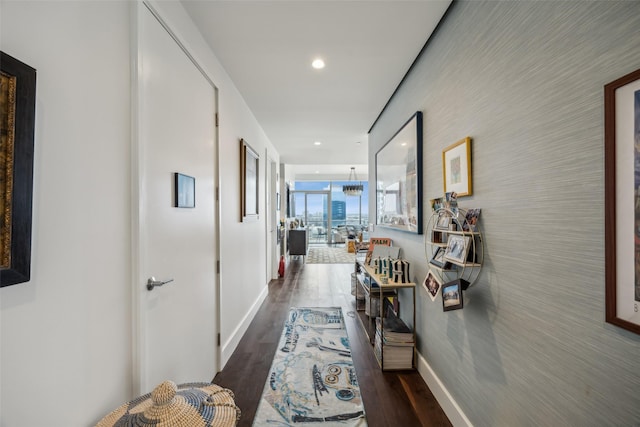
[(442, 395), (231, 343)]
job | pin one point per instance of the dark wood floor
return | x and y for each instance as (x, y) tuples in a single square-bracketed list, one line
[(390, 398)]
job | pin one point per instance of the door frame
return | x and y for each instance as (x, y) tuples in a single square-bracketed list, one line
[(139, 315)]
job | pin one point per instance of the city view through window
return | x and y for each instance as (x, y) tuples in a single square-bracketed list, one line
[(327, 213)]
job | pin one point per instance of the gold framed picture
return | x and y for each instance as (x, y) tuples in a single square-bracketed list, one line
[(456, 168)]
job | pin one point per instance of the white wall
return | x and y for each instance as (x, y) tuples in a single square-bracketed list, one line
[(243, 247), (65, 336)]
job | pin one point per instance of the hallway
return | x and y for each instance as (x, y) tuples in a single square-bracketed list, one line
[(390, 398)]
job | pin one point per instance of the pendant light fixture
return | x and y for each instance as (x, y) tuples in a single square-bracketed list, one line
[(354, 188)]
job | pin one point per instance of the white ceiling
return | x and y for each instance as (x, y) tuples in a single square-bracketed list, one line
[(267, 48)]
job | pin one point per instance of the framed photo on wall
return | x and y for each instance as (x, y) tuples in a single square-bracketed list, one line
[(249, 180), (185, 191), (622, 201), (456, 168)]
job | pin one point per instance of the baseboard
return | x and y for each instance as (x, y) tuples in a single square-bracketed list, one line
[(229, 346), (442, 395)]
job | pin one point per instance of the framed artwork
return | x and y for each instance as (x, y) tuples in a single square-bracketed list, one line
[(185, 191), (17, 119), (399, 179), (249, 180), (456, 168), (622, 201), (431, 284), (457, 248), (452, 298)]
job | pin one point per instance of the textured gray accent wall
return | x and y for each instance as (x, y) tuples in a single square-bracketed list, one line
[(525, 81)]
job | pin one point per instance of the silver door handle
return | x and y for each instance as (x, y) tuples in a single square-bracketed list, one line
[(152, 283)]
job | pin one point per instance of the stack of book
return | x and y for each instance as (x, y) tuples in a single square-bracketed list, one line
[(394, 345)]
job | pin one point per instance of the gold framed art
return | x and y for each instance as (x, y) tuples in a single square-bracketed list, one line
[(456, 168)]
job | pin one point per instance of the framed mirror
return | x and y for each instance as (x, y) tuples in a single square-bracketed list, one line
[(249, 179), (399, 179)]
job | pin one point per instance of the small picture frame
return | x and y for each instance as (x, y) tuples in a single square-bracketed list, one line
[(456, 168), (457, 248), (452, 298), (443, 222), (438, 259), (185, 191), (432, 285)]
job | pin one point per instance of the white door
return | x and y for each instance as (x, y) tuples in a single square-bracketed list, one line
[(176, 334)]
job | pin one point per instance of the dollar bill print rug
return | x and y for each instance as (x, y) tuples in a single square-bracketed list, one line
[(312, 380)]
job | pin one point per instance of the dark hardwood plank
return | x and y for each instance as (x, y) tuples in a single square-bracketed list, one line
[(390, 398)]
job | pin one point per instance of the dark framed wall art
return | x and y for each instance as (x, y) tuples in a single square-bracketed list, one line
[(622, 201), (17, 120), (399, 179), (185, 191), (249, 182)]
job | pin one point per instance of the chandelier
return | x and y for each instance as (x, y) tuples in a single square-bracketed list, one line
[(352, 189)]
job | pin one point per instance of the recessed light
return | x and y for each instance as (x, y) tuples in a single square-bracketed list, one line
[(317, 143), (317, 64)]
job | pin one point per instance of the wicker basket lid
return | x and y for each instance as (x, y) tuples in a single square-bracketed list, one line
[(184, 405)]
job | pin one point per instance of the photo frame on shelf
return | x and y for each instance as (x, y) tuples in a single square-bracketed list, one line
[(456, 168), (457, 248), (443, 222), (622, 190), (249, 182), (438, 259), (17, 115), (452, 295), (184, 191), (398, 168), (431, 284)]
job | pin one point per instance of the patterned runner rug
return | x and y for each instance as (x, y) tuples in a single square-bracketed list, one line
[(312, 380), (322, 255)]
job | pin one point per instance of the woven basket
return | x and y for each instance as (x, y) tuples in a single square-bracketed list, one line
[(185, 405)]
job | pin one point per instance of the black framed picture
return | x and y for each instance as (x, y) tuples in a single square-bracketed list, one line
[(185, 191), (452, 295), (17, 117), (438, 259)]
